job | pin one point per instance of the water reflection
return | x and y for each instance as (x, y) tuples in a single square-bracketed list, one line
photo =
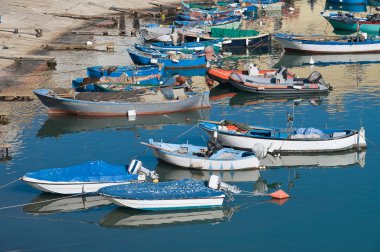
[(47, 203), (244, 99), (56, 126), (346, 7), (171, 172), (131, 218), (340, 159), (297, 59)]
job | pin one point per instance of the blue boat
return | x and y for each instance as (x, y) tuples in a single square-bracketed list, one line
[(194, 46), (116, 71), (182, 194), (345, 7), (353, 2), (88, 177), (223, 22), (168, 60)]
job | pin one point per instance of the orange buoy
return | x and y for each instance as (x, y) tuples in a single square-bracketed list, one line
[(279, 194)]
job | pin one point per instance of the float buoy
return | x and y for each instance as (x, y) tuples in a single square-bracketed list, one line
[(279, 194)]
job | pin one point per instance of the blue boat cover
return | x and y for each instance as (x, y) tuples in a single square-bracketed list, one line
[(173, 190), (93, 171), (310, 131)]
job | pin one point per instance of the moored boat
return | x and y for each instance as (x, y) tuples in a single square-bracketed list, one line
[(172, 195), (169, 60), (149, 102), (194, 46), (328, 44), (222, 75), (199, 157), (231, 37), (86, 178), (117, 71), (286, 139), (280, 83), (348, 22)]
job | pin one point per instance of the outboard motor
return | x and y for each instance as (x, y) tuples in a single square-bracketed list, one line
[(135, 167), (216, 183), (316, 77)]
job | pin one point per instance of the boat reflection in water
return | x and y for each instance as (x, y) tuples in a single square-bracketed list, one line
[(56, 126), (172, 172), (47, 203), (339, 159), (345, 7), (244, 99), (296, 60), (132, 218)]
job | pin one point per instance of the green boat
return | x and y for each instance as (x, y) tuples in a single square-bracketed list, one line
[(347, 22)]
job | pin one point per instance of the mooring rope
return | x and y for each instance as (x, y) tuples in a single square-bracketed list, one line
[(9, 183), (32, 203)]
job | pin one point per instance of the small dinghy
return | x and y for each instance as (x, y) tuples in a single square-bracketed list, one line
[(87, 178), (200, 157), (182, 194)]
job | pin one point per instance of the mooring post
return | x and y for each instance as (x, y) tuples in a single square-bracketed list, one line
[(38, 33), (122, 24), (136, 21)]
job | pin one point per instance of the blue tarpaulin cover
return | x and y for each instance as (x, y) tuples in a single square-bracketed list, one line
[(182, 189), (93, 171), (309, 131)]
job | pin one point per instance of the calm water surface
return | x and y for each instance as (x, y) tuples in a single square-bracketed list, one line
[(334, 204)]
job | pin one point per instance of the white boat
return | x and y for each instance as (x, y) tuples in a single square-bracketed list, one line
[(286, 140), (87, 178), (328, 44), (173, 195), (196, 157)]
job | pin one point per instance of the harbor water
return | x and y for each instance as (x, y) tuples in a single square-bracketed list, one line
[(334, 201)]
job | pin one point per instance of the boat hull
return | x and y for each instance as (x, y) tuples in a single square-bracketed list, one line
[(275, 89), (56, 105), (364, 26), (168, 204), (257, 41), (196, 62), (332, 47), (204, 163), (356, 140), (68, 188), (348, 2)]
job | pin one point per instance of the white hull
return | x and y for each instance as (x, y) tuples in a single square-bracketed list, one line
[(294, 145), (168, 204), (296, 45), (67, 187), (206, 163)]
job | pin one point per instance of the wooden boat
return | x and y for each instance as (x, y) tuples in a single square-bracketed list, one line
[(286, 140), (86, 178), (348, 22), (147, 102), (117, 71), (231, 22), (300, 59), (328, 44), (182, 194), (280, 83), (222, 75), (107, 84), (169, 60), (234, 37), (193, 46), (196, 157)]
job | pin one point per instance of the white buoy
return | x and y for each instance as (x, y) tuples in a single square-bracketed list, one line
[(291, 9), (89, 43), (131, 115), (311, 62)]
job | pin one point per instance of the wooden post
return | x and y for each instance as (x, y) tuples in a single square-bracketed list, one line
[(136, 21), (122, 24)]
